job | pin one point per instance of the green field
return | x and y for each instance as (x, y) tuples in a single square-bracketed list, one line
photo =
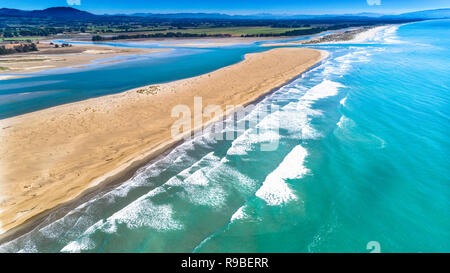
[(234, 31), (25, 38)]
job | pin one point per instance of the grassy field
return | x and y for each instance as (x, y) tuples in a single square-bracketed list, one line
[(234, 31), (20, 60), (25, 38)]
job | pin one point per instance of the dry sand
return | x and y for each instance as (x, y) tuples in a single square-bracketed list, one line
[(49, 57), (52, 156)]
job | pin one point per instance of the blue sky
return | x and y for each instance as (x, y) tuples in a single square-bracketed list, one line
[(234, 6)]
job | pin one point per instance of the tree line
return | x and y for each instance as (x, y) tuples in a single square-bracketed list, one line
[(97, 38)]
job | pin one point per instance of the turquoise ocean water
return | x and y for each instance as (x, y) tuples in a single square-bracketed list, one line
[(362, 160)]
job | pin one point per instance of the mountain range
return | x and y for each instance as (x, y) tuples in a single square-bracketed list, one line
[(57, 12), (72, 13)]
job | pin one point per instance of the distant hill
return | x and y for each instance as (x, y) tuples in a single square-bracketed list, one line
[(182, 15), (260, 16), (57, 12), (368, 14), (13, 12), (428, 14)]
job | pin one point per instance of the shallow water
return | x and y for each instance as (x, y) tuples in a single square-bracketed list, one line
[(362, 157), (64, 85)]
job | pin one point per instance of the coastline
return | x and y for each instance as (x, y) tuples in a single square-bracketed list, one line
[(359, 36), (82, 55), (76, 56), (292, 62)]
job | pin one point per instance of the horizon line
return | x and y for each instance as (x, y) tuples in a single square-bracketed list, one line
[(229, 14)]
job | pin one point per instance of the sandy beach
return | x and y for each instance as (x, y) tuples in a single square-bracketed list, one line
[(51, 156), (363, 36), (366, 35), (49, 57)]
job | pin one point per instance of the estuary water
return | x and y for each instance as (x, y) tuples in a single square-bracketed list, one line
[(361, 161), (64, 85)]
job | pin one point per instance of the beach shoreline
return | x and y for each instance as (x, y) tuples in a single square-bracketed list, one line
[(357, 36), (130, 163), (76, 56)]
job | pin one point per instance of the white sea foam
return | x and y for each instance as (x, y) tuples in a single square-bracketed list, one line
[(274, 190), (344, 63), (343, 101), (198, 178), (382, 34), (390, 35), (196, 182), (340, 122), (195, 172), (241, 182), (208, 161), (83, 244), (213, 197), (136, 215), (304, 112), (294, 117), (239, 214), (369, 35), (249, 139), (325, 89), (209, 191), (339, 68), (28, 247), (141, 213), (264, 132), (345, 122), (146, 214)]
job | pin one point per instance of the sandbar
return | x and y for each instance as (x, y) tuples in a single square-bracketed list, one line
[(49, 57)]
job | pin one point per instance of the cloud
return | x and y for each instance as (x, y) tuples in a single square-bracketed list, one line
[(373, 2), (78, 2)]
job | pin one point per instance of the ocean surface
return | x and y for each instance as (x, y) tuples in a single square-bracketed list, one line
[(361, 161)]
